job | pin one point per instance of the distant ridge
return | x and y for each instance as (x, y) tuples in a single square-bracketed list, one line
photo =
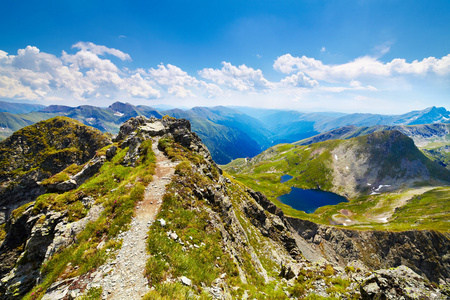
[(19, 108), (229, 132), (351, 167), (421, 134)]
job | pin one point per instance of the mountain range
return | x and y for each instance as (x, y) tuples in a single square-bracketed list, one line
[(150, 215), (228, 132)]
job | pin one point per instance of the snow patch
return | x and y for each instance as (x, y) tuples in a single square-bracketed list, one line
[(119, 114), (383, 220), (381, 186)]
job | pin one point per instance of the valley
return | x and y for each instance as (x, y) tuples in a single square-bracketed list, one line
[(389, 183), (234, 132), (78, 217)]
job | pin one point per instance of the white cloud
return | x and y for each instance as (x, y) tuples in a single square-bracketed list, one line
[(300, 80), (101, 50), (240, 78), (86, 74), (180, 91), (139, 87), (12, 88), (323, 49), (32, 74), (360, 67), (84, 59), (172, 75), (179, 83)]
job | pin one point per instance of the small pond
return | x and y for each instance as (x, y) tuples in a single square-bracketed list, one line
[(285, 178), (309, 200)]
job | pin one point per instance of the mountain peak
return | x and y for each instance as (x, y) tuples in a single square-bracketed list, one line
[(56, 109), (121, 107)]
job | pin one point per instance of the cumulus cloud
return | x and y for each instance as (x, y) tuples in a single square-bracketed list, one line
[(139, 87), (362, 66), (300, 80), (84, 59), (101, 50), (242, 78), (32, 74), (13, 88), (179, 83), (172, 75), (90, 71)]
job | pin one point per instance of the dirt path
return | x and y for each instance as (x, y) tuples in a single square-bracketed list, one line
[(125, 279)]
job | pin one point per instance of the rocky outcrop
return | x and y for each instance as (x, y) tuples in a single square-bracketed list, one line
[(21, 262), (178, 129), (425, 252), (44, 235), (268, 218), (398, 283), (39, 151), (89, 170)]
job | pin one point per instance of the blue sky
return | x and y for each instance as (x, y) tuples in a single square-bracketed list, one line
[(349, 56)]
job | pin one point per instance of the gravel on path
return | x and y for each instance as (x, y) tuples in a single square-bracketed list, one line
[(124, 278)]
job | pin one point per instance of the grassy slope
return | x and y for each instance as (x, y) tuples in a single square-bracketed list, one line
[(310, 167), (118, 193), (49, 141), (188, 215), (430, 138)]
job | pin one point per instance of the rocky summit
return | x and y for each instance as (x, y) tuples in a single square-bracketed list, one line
[(150, 215)]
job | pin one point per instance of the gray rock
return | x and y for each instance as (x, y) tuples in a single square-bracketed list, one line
[(398, 283), (173, 235), (111, 152), (186, 281)]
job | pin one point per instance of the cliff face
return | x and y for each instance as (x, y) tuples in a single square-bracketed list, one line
[(425, 252)]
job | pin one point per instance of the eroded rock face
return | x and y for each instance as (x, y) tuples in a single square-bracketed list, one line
[(20, 266), (45, 234), (425, 252), (398, 283), (89, 170)]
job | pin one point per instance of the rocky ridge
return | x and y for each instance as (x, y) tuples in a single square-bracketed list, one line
[(243, 244), (123, 277)]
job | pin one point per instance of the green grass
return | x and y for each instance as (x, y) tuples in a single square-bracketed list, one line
[(117, 188), (310, 167), (186, 213), (92, 294), (52, 145), (2, 232), (427, 211), (188, 217)]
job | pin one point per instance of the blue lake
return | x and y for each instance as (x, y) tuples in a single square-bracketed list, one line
[(285, 178), (309, 200)]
